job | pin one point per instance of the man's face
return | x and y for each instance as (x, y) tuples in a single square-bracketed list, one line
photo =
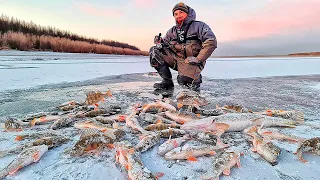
[(179, 16)]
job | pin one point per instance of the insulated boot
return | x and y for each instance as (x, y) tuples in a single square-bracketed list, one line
[(166, 82)]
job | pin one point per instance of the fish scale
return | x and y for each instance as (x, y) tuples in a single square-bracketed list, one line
[(62, 122), (148, 141), (89, 137)]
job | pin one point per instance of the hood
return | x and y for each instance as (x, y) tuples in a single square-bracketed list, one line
[(191, 17)]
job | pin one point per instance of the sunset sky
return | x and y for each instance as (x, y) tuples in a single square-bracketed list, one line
[(242, 27)]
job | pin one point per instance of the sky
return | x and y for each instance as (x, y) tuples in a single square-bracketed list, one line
[(242, 27)]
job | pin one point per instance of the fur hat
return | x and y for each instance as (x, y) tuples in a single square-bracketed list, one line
[(180, 6)]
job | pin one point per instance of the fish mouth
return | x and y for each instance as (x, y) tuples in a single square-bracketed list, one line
[(274, 163)]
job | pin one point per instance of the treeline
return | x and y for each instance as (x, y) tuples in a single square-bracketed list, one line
[(25, 42), (306, 54), (21, 35)]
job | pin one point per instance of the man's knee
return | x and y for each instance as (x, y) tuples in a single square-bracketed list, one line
[(156, 59)]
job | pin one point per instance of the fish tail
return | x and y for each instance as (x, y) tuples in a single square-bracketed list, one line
[(299, 117), (33, 122)]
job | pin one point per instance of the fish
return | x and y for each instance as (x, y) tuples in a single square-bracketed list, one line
[(222, 163), (241, 121), (104, 120), (44, 119), (101, 112), (160, 126), (275, 135), (136, 170), (206, 125), (95, 97), (12, 124), (62, 122), (89, 125), (266, 149), (122, 153), (68, 106), (25, 158), (159, 105), (190, 98), (147, 141), (38, 135), (210, 112), (90, 140), (181, 118), (206, 137), (171, 144), (190, 153), (153, 118), (171, 132), (296, 115), (311, 146), (133, 123), (51, 142), (130, 161)]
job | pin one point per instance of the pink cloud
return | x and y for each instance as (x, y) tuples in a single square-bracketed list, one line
[(97, 11), (276, 18)]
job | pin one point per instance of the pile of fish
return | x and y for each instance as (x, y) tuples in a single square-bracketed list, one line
[(178, 123)]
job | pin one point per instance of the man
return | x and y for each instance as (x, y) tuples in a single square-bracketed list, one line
[(185, 48)]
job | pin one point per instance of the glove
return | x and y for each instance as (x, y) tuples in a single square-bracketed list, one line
[(192, 60), (159, 46), (157, 40)]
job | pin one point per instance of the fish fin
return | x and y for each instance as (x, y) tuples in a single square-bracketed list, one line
[(127, 167), (15, 170), (96, 104), (104, 130), (223, 126), (159, 121), (253, 149), (131, 151), (103, 100), (43, 119), (267, 132), (221, 144), (110, 146), (299, 117), (179, 105), (19, 138), (175, 144), (226, 172), (192, 158), (303, 160), (238, 163), (36, 156), (159, 175), (212, 153), (109, 94), (122, 118), (33, 122), (96, 109)]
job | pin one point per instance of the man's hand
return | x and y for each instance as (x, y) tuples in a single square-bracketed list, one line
[(157, 39), (192, 60)]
